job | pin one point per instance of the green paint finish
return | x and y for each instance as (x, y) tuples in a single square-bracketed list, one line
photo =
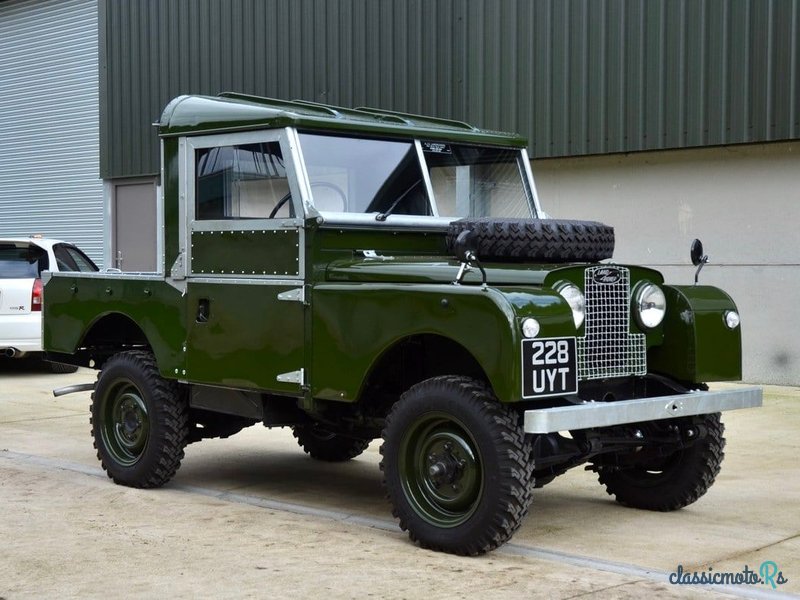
[(246, 252), (76, 307), (171, 201), (698, 346), (247, 338), (442, 269), (354, 325), (316, 310), (192, 115)]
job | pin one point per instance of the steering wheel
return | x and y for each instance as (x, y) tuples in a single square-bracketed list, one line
[(323, 184), (280, 204)]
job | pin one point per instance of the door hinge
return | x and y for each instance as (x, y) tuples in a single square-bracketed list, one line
[(295, 295), (297, 377)]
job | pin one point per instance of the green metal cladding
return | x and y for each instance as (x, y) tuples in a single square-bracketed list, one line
[(575, 77)]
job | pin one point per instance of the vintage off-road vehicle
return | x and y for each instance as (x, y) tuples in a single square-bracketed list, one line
[(358, 273)]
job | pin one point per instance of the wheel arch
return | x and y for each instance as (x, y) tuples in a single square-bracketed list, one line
[(110, 333), (407, 362)]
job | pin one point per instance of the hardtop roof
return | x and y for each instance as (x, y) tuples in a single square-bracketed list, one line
[(197, 115)]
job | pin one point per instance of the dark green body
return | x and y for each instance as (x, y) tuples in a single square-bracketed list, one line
[(361, 318)]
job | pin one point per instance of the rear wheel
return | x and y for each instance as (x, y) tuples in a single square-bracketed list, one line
[(328, 446), (139, 421), (456, 466), (670, 482)]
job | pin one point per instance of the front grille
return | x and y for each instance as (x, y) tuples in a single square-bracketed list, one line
[(609, 349)]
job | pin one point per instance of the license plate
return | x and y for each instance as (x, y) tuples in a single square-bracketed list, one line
[(549, 367)]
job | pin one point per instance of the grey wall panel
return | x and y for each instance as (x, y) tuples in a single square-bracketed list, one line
[(49, 180), (576, 76), (742, 201)]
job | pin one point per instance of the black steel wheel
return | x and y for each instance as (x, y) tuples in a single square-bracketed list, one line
[(325, 445), (671, 482), (457, 466), (139, 421)]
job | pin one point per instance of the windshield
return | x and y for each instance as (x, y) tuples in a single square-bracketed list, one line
[(382, 177), (474, 181)]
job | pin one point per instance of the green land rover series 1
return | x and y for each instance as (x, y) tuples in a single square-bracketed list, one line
[(358, 274)]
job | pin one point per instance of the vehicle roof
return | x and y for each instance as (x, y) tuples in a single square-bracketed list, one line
[(39, 241), (195, 115)]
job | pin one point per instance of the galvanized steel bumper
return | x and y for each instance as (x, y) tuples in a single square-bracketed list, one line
[(604, 414)]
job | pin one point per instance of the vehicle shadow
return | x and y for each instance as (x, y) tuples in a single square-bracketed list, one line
[(24, 366)]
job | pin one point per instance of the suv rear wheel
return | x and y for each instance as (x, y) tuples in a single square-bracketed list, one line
[(139, 421), (328, 446)]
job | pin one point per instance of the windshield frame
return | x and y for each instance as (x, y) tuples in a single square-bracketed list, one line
[(432, 221)]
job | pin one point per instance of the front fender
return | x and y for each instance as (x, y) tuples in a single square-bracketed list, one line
[(697, 346), (353, 325)]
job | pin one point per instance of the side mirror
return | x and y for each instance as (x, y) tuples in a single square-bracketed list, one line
[(696, 253), (466, 245), (698, 258)]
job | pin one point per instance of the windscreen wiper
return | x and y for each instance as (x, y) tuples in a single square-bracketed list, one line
[(382, 216)]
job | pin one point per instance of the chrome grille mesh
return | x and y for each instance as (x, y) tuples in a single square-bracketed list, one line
[(609, 349)]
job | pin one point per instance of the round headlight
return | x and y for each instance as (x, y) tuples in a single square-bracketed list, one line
[(732, 319), (530, 328), (650, 305), (574, 297)]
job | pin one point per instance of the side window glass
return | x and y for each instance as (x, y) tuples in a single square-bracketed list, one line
[(64, 261), (242, 182), (69, 258)]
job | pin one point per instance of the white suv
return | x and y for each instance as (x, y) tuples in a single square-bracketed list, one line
[(22, 261)]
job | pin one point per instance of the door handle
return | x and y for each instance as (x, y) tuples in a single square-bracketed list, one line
[(203, 310)]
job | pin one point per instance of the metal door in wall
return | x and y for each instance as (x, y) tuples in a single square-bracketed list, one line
[(134, 237)]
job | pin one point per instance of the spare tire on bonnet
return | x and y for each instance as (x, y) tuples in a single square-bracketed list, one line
[(550, 240)]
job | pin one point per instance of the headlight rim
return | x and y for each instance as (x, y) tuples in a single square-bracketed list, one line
[(637, 295), (560, 286)]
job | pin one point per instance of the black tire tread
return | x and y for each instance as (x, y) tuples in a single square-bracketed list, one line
[(550, 240), (697, 475), (172, 417), (339, 448), (516, 467)]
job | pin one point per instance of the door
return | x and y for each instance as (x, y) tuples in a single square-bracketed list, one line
[(135, 226), (245, 288)]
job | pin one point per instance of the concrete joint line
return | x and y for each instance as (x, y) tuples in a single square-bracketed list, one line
[(575, 560)]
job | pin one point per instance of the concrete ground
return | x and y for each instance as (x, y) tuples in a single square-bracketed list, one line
[(252, 516)]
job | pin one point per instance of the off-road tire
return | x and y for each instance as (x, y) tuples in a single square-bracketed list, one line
[(548, 240), (328, 446), (496, 482), (688, 475), (128, 388)]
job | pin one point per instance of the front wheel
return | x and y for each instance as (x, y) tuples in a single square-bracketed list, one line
[(670, 482), (139, 421), (457, 466)]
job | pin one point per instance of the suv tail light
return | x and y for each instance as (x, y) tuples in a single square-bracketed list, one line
[(36, 295)]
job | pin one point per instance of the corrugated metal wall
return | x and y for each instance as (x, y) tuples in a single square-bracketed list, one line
[(575, 76), (49, 180)]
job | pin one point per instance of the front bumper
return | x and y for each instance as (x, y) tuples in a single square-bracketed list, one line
[(605, 414)]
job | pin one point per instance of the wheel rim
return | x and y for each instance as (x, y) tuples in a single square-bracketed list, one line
[(125, 423), (441, 471)]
